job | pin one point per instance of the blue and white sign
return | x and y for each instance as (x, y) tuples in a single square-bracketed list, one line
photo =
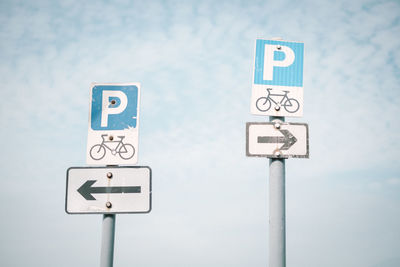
[(113, 124), (277, 88)]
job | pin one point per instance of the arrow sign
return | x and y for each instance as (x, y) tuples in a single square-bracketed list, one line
[(108, 190), (287, 139), (277, 139), (86, 190)]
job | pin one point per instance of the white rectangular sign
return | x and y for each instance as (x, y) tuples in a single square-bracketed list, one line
[(277, 88), (113, 124), (277, 139), (108, 190)]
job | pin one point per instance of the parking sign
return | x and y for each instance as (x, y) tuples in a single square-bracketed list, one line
[(113, 124), (277, 88)]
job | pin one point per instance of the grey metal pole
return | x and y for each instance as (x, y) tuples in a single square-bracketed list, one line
[(107, 241), (277, 218)]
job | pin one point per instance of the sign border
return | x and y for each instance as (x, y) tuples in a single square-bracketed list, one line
[(111, 167), (248, 124)]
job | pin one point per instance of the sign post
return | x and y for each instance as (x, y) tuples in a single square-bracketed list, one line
[(112, 141), (277, 211), (107, 241), (277, 91)]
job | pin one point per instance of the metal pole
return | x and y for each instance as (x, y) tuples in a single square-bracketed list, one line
[(277, 225), (107, 241)]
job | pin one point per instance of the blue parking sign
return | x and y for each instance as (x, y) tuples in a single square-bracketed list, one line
[(277, 86), (113, 132), (114, 107), (279, 63)]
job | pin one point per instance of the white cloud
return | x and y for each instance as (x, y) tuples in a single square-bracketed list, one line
[(393, 181), (375, 186)]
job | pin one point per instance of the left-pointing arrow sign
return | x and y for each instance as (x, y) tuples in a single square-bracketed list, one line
[(86, 190)]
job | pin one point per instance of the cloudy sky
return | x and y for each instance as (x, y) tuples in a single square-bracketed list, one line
[(194, 60)]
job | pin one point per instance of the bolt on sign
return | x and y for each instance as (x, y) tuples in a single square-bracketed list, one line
[(277, 88), (113, 124)]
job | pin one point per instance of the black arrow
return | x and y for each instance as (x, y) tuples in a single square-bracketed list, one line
[(287, 139), (86, 190)]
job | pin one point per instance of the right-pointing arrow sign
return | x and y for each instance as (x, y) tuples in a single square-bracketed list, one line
[(287, 139), (277, 139)]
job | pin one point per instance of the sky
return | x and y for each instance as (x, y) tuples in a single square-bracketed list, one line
[(194, 60)]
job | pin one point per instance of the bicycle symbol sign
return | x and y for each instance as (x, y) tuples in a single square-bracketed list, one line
[(125, 151), (113, 124), (264, 103), (277, 88)]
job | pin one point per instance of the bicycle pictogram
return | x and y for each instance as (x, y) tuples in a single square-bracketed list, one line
[(291, 105), (125, 150)]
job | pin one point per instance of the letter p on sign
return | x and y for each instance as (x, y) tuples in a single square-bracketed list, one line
[(272, 62), (110, 106)]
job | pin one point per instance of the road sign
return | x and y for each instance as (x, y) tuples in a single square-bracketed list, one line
[(277, 139), (277, 88), (113, 124), (108, 190)]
